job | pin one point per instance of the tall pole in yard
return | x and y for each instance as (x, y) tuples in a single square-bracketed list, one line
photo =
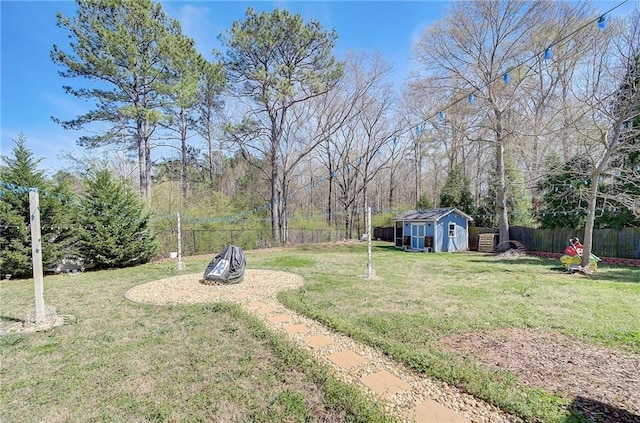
[(370, 273), (180, 264), (36, 254)]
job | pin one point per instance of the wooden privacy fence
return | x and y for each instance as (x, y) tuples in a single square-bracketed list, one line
[(623, 243), (384, 234)]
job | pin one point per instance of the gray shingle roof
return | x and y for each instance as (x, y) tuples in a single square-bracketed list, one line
[(429, 214)]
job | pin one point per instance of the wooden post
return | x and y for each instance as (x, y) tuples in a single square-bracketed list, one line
[(36, 254)]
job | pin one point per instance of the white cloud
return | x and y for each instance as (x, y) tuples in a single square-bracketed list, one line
[(418, 32), (45, 142), (65, 106), (196, 23)]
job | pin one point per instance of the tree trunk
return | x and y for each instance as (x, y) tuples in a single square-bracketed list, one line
[(148, 163), (144, 159), (142, 166), (391, 175), (418, 171), (365, 198), (283, 224), (185, 158), (503, 216), (210, 152), (330, 195), (275, 216), (501, 189), (590, 221)]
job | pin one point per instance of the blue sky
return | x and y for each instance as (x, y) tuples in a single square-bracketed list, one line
[(31, 89)]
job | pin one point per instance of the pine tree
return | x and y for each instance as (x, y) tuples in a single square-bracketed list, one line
[(19, 174), (126, 46), (518, 201), (457, 191), (276, 62), (115, 224)]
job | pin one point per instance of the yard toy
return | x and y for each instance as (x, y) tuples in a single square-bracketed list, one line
[(572, 258)]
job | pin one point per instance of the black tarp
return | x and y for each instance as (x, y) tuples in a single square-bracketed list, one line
[(227, 267)]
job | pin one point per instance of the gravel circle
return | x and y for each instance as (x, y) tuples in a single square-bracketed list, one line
[(188, 289), (257, 294)]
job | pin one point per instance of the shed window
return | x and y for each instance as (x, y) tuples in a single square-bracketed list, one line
[(452, 230)]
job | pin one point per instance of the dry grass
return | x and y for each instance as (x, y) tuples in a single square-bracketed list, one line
[(123, 361)]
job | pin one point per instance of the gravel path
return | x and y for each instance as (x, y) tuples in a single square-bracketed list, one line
[(257, 294)]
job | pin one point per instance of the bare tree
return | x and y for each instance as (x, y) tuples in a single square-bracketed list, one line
[(480, 45), (359, 149), (608, 91), (208, 114)]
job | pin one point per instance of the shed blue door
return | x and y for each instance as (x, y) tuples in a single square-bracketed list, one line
[(417, 235)]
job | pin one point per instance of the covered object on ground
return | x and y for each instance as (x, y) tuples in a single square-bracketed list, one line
[(227, 267)]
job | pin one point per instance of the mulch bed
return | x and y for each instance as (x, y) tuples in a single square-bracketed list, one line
[(601, 383)]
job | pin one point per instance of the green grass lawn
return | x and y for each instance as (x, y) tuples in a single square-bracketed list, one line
[(126, 362), (423, 297), (122, 361)]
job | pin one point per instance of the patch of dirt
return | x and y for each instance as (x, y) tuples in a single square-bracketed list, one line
[(601, 383), (512, 254)]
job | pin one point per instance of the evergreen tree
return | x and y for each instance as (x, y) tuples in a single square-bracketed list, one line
[(115, 224), (18, 174), (424, 203), (128, 47), (518, 201), (207, 111), (565, 198), (563, 194), (457, 191), (276, 62)]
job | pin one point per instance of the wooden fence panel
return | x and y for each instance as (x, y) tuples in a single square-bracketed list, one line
[(624, 243), (605, 242), (629, 243)]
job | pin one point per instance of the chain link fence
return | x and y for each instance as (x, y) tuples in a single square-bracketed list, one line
[(208, 241)]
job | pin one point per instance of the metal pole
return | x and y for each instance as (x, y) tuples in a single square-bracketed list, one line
[(180, 264), (36, 253), (370, 272)]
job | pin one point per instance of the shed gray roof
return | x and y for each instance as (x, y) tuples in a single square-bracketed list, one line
[(430, 214)]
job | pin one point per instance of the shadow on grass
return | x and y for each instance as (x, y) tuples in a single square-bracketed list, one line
[(597, 411), (387, 248), (612, 273), (530, 261), (11, 319), (619, 276)]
